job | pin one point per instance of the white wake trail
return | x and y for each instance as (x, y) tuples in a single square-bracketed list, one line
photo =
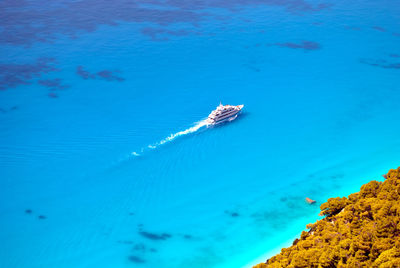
[(173, 136), (184, 132)]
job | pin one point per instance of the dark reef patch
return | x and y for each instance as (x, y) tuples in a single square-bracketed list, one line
[(252, 67), (278, 219), (233, 214), (28, 211), (52, 95), (337, 176), (353, 28), (23, 23), (5, 110), (378, 28), (53, 84), (139, 247), (292, 6), (154, 236), (380, 63), (84, 74), (305, 45), (136, 259), (110, 75), (125, 242), (161, 34), (187, 237), (317, 23), (103, 74), (42, 217), (13, 75), (292, 202)]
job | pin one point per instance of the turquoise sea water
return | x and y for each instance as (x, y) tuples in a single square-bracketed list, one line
[(102, 160)]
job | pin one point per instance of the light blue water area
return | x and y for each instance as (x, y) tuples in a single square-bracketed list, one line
[(104, 160)]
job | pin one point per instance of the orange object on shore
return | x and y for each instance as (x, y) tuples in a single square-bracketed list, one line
[(310, 201)]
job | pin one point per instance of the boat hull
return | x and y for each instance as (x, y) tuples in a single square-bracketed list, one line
[(232, 116)]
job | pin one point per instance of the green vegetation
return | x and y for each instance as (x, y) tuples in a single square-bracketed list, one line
[(362, 230)]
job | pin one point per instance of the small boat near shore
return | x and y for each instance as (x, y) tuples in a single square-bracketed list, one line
[(224, 113)]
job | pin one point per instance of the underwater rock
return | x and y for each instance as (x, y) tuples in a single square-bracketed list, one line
[(161, 34), (24, 24), (126, 242), (232, 213), (186, 236), (13, 75), (83, 73), (380, 63), (305, 45), (348, 27), (53, 95), (53, 84), (378, 28), (136, 259), (109, 75), (139, 247), (153, 236), (165, 235), (28, 211), (310, 201), (42, 217)]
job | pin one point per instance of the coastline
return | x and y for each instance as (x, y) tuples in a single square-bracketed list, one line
[(369, 191), (355, 174), (363, 173), (271, 252), (294, 232)]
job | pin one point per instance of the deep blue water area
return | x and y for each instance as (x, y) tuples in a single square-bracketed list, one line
[(105, 160)]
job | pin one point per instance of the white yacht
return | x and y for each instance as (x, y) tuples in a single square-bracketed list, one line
[(224, 113)]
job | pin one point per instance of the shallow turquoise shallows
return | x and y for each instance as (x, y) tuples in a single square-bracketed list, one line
[(105, 162)]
